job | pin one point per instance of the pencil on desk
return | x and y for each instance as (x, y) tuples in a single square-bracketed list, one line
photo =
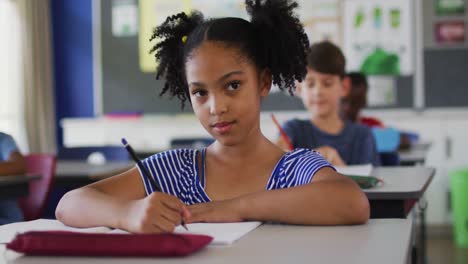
[(283, 134), (146, 173)]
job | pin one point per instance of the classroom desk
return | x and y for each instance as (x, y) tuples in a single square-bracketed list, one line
[(416, 154), (15, 186), (78, 173), (401, 184), (379, 241)]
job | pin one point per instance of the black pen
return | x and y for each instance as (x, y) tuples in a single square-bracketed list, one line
[(146, 173)]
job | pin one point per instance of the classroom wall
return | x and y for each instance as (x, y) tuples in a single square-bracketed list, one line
[(73, 60)]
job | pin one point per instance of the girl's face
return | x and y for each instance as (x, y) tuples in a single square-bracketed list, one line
[(321, 93), (225, 90)]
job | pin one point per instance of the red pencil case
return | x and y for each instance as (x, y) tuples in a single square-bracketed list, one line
[(61, 243)]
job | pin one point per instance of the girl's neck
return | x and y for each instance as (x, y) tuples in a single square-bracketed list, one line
[(331, 124), (256, 147)]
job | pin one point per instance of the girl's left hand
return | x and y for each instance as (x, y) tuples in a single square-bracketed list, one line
[(216, 212)]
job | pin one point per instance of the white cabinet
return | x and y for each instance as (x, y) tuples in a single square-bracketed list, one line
[(456, 150), (431, 130), (457, 143)]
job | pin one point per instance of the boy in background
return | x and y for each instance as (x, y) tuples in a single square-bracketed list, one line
[(340, 141)]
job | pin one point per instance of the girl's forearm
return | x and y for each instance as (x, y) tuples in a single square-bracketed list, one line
[(332, 202), (88, 207)]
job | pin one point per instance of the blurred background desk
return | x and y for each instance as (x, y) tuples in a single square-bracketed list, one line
[(415, 155), (78, 172), (401, 184), (15, 186)]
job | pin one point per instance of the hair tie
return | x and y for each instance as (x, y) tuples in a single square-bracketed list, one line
[(184, 39)]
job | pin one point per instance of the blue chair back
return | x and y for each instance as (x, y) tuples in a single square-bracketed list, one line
[(386, 139)]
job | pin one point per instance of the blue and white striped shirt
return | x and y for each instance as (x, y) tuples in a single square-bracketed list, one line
[(176, 172)]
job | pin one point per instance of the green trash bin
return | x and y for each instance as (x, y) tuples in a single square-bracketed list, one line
[(459, 185)]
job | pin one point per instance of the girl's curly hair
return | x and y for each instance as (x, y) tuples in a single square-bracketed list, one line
[(274, 39), (174, 32)]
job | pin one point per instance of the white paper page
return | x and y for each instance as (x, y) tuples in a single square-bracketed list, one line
[(223, 233), (8, 232), (357, 170)]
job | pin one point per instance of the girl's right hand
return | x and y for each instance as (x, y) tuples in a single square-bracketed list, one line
[(331, 155), (157, 213)]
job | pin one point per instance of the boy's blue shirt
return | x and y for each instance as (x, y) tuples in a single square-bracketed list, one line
[(355, 143)]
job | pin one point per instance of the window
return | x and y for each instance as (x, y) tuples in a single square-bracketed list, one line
[(11, 72)]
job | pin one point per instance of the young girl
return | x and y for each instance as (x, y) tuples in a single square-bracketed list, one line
[(225, 67)]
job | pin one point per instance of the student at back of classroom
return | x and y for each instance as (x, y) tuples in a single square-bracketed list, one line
[(356, 100), (340, 141), (11, 163)]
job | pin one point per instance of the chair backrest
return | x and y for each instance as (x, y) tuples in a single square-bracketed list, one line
[(389, 158), (386, 139), (34, 204)]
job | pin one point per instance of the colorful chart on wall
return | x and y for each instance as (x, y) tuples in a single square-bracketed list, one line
[(449, 7), (378, 37), (321, 20), (152, 13), (449, 32), (127, 78), (124, 18)]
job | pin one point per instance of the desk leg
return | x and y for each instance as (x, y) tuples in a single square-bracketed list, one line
[(414, 237), (419, 255), (422, 245), (401, 209)]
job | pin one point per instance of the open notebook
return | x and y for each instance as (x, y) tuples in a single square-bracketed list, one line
[(362, 175), (355, 170), (223, 233)]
